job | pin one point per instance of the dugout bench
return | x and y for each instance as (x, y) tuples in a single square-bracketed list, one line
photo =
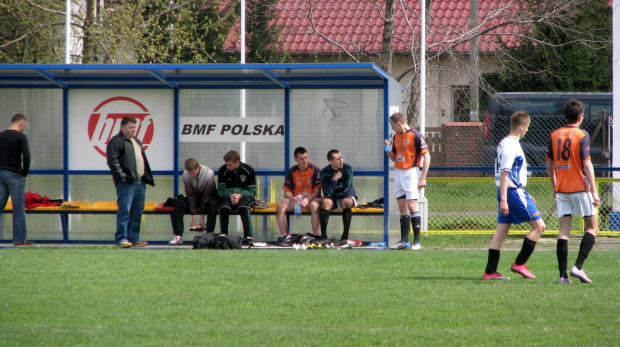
[(152, 208)]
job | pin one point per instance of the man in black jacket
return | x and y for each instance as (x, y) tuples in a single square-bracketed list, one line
[(338, 192), (236, 186), (130, 171), (14, 166)]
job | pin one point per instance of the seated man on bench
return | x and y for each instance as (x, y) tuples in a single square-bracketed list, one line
[(199, 184), (236, 187), (303, 179), (338, 192)]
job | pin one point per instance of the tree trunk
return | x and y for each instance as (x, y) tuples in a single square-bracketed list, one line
[(388, 34), (88, 44)]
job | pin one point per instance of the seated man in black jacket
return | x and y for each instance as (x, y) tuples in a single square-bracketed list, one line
[(236, 187), (338, 192)]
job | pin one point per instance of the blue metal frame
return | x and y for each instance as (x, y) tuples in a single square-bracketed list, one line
[(386, 167), (199, 76), (176, 142), (65, 143)]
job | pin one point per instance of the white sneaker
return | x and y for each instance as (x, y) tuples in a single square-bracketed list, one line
[(416, 246), (565, 280), (575, 272), (402, 245), (177, 240)]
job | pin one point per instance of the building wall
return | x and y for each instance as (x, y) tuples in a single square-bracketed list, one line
[(442, 74)]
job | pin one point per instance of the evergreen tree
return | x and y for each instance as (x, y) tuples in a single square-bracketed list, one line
[(261, 35), (185, 32), (572, 53)]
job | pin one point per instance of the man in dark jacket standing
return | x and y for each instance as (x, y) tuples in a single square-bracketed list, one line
[(14, 166), (236, 186), (130, 171)]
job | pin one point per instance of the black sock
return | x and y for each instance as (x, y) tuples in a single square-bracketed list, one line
[(404, 227), (346, 222), (416, 223), (584, 249), (526, 250), (562, 253), (493, 261), (324, 218)]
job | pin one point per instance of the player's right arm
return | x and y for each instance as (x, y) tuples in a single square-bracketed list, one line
[(391, 153), (190, 193), (289, 185), (426, 164), (589, 171), (551, 172), (503, 192), (222, 189), (328, 185), (551, 164)]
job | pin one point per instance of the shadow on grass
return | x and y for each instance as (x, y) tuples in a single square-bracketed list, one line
[(439, 278)]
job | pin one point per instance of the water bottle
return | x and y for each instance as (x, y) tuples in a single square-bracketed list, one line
[(379, 245), (388, 146), (298, 205)]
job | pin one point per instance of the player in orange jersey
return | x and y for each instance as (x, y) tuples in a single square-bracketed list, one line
[(303, 179), (408, 150), (572, 175)]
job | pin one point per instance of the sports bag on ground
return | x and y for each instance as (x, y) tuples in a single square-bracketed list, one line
[(217, 241), (228, 242), (205, 241)]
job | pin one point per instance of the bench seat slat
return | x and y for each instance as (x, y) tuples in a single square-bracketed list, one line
[(153, 207)]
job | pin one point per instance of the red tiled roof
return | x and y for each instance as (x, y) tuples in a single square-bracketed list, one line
[(358, 25)]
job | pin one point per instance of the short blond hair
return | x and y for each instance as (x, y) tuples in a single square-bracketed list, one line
[(232, 156), (398, 118), (191, 164), (518, 119)]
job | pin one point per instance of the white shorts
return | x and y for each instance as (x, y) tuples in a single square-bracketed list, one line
[(575, 204), (406, 183), (339, 203)]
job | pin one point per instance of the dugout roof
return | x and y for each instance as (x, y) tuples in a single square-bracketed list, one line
[(358, 75)]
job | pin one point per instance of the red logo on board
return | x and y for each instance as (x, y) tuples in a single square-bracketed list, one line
[(105, 121)]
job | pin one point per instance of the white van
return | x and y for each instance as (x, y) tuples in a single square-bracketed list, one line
[(547, 112)]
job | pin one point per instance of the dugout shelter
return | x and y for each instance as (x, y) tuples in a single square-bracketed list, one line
[(200, 111)]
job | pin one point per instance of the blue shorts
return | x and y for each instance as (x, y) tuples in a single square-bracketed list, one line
[(521, 208)]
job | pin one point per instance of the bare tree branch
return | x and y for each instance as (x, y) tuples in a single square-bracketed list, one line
[(48, 10), (314, 29), (30, 32)]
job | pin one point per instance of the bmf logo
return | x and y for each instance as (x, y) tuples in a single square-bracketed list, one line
[(105, 121)]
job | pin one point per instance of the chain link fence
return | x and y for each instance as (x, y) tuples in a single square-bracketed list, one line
[(469, 205), (461, 192)]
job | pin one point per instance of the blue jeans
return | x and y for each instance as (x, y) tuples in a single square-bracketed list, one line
[(12, 184), (130, 200)]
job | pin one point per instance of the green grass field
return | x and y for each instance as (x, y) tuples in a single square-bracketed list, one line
[(104, 296)]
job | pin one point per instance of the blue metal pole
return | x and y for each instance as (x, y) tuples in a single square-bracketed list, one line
[(287, 128), (386, 165), (175, 170), (287, 139), (65, 162)]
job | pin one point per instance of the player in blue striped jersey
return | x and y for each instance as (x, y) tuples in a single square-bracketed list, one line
[(515, 204)]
